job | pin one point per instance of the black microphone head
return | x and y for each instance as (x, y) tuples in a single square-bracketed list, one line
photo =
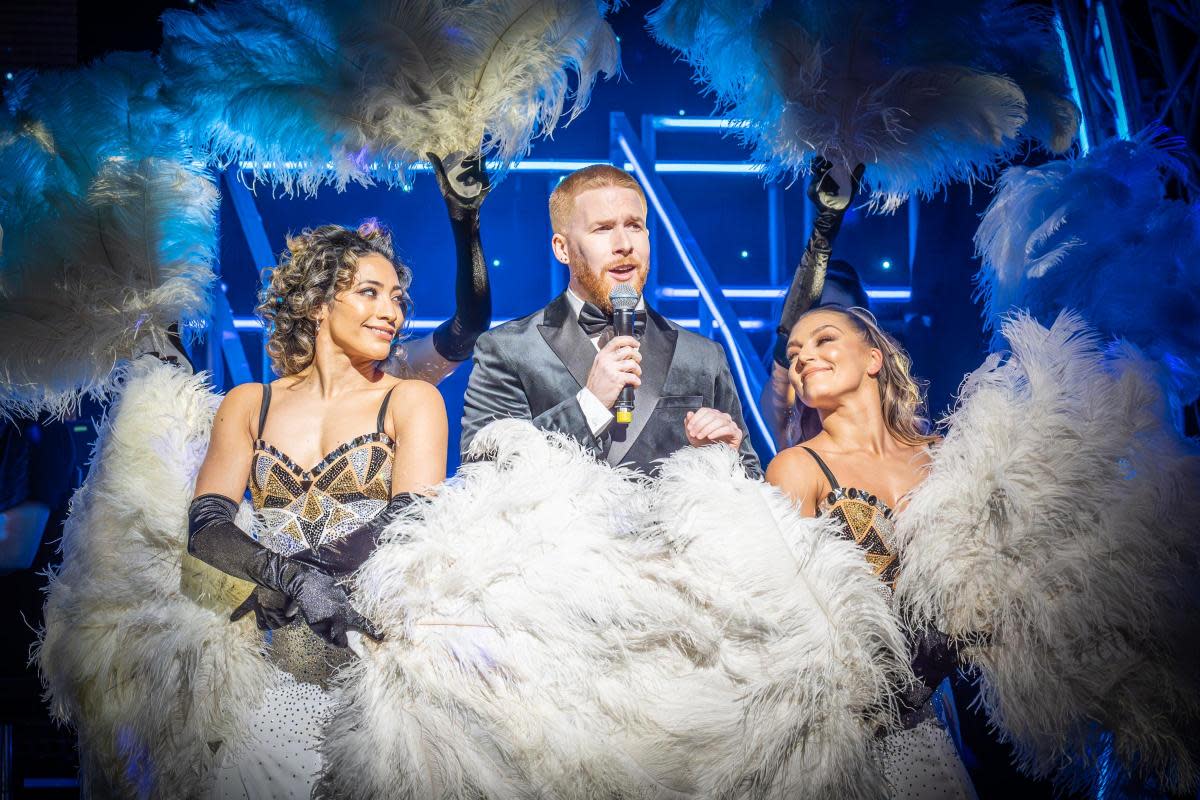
[(623, 297)]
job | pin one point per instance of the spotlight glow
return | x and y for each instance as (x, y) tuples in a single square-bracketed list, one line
[(885, 264)]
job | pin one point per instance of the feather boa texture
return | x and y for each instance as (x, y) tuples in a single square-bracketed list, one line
[(146, 674), (923, 93), (1098, 234), (317, 92), (555, 628), (558, 628), (1059, 521), (110, 234)]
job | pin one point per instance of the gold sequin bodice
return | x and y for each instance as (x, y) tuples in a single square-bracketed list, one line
[(302, 508), (867, 521), (864, 519), (308, 509)]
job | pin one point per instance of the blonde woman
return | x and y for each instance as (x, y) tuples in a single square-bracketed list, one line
[(870, 453), (330, 452)]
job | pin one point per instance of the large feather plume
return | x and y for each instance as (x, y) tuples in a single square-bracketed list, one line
[(807, 635), (1099, 234), (267, 82), (148, 674), (923, 93), (108, 241), (1056, 531), (557, 628), (316, 91)]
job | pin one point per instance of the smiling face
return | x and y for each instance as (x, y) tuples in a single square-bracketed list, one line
[(605, 243), (830, 359), (364, 319)]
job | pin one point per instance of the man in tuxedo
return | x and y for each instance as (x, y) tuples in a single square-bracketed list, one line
[(562, 368)]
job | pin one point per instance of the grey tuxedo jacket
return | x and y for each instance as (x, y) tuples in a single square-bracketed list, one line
[(532, 368)]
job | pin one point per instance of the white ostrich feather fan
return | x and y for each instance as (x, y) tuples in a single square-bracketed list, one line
[(923, 93), (554, 627), (557, 628), (1056, 531), (319, 92), (152, 677), (114, 233), (1100, 235)]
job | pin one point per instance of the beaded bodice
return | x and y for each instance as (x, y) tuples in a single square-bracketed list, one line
[(308, 509), (865, 520), (302, 508)]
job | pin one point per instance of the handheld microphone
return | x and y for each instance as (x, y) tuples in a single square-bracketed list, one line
[(624, 300)]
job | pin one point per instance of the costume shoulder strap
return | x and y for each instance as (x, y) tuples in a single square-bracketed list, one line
[(262, 409), (383, 407), (833, 482)]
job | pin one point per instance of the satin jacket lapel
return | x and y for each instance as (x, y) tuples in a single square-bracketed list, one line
[(658, 348), (567, 339)]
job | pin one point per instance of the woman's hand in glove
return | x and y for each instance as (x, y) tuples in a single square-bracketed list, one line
[(325, 606), (464, 182), (271, 609), (827, 192), (934, 655)]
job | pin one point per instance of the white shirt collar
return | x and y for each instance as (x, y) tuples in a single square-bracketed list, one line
[(577, 302)]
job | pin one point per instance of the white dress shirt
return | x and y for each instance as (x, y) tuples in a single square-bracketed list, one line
[(598, 417)]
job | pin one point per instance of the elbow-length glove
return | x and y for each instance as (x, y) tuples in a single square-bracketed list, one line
[(464, 184), (274, 609), (215, 539), (831, 200), (934, 657)]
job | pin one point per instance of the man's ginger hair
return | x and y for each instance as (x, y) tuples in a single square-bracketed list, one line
[(597, 176)]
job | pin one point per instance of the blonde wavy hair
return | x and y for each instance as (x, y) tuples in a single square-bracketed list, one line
[(901, 395), (318, 263)]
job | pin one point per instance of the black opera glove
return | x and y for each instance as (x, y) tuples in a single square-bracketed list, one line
[(273, 610), (933, 655), (831, 200), (347, 554), (215, 539), (464, 183)]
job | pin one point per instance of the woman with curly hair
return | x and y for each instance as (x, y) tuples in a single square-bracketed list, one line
[(874, 438), (330, 451)]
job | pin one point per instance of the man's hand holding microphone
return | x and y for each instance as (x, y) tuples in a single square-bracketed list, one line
[(617, 372), (617, 365)]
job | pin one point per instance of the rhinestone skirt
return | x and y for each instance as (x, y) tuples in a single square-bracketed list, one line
[(276, 758)]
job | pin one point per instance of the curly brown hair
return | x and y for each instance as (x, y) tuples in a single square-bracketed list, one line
[(900, 394), (318, 263)]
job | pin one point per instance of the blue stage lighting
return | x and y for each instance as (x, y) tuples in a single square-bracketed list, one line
[(745, 254), (682, 112), (698, 123), (1073, 81), (8, 76), (495, 262), (885, 264)]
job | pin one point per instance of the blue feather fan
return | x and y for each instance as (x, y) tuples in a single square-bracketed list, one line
[(924, 92)]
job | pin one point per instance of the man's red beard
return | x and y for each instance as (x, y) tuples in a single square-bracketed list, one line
[(596, 286)]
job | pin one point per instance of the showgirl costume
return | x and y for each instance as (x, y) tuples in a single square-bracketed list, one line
[(919, 761), (306, 515)]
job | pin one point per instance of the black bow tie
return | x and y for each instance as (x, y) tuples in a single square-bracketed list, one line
[(595, 322)]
